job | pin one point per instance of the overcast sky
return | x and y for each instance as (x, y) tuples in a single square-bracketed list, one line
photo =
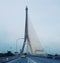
[(43, 14)]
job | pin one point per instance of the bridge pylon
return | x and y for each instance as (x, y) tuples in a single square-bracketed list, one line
[(26, 36)]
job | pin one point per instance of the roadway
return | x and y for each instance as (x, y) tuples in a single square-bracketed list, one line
[(19, 60), (34, 60)]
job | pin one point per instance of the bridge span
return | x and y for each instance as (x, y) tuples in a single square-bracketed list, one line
[(31, 59)]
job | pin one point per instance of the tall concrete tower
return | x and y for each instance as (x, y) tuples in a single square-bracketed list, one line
[(26, 36)]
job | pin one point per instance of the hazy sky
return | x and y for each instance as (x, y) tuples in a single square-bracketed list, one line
[(44, 15)]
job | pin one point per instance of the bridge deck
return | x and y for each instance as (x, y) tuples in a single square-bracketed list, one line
[(31, 59)]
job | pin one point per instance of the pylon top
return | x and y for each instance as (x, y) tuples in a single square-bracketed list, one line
[(26, 7)]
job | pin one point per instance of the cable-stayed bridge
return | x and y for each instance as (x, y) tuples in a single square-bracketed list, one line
[(30, 39), (35, 51)]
